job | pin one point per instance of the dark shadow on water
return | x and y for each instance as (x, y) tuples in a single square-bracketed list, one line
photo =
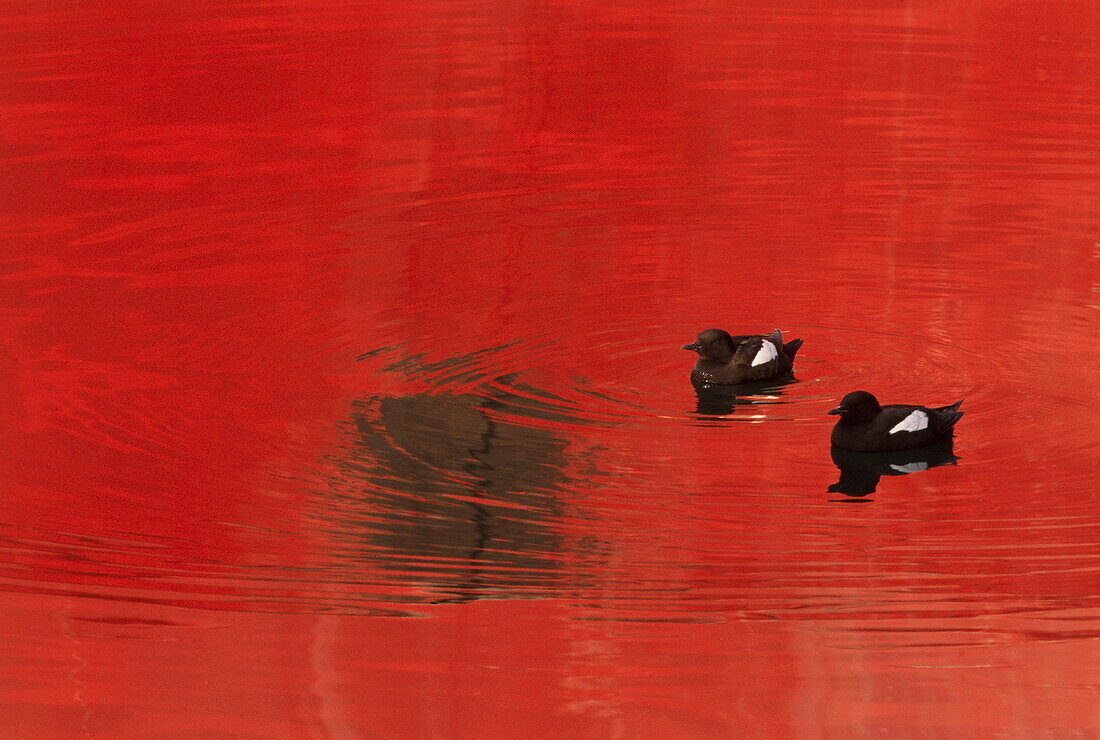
[(438, 492), (721, 400), (860, 471)]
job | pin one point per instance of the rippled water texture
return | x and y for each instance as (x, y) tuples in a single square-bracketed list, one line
[(344, 394)]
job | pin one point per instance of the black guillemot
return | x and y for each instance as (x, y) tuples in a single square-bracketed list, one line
[(865, 426), (735, 360)]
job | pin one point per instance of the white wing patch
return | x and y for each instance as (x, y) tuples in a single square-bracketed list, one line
[(913, 467), (767, 353), (913, 423)]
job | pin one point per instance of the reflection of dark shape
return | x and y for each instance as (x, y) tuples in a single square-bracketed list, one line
[(860, 471), (720, 400), (443, 492)]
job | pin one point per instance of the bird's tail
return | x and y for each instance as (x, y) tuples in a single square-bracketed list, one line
[(950, 415), (791, 348)]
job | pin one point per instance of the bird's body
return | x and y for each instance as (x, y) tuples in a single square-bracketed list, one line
[(866, 426), (725, 359)]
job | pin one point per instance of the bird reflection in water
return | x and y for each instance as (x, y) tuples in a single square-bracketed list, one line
[(721, 400), (438, 491), (860, 471)]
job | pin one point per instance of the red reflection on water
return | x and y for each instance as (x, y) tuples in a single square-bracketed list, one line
[(210, 213)]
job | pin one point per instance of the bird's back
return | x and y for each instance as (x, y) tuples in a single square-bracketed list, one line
[(897, 427), (756, 357)]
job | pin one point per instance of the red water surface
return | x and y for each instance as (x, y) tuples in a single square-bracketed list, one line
[(343, 394)]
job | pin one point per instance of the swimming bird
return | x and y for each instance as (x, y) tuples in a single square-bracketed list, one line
[(865, 426), (735, 360)]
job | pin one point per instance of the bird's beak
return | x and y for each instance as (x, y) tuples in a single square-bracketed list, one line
[(837, 411), (694, 347)]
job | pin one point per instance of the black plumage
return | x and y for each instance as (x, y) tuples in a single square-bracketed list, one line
[(725, 359), (866, 426)]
